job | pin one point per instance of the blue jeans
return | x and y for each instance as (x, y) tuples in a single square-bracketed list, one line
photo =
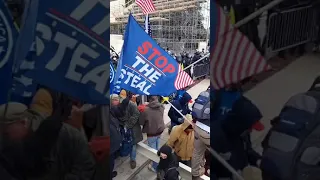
[(153, 142), (133, 154)]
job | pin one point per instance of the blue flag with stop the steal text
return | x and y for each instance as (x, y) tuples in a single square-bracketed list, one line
[(144, 67), (8, 36), (72, 46)]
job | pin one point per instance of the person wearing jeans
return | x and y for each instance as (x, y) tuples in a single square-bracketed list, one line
[(153, 124), (116, 137), (130, 120), (133, 154), (153, 142)]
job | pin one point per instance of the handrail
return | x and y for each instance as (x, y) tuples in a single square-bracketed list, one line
[(150, 153)]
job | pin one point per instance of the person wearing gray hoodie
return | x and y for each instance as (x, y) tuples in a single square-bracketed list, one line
[(153, 125)]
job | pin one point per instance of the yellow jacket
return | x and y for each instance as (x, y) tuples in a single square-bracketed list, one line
[(181, 141), (42, 103)]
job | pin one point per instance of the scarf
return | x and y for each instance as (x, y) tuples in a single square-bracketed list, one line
[(169, 162)]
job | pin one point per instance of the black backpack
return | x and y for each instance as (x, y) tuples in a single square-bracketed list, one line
[(171, 174), (291, 147)]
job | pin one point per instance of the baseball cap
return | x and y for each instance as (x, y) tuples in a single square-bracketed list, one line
[(14, 111)]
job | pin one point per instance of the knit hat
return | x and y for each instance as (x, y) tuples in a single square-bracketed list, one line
[(123, 94), (14, 111), (114, 97), (42, 102)]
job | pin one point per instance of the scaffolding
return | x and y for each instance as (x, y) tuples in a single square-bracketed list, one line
[(179, 25)]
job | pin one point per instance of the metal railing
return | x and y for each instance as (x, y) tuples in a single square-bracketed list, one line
[(185, 171), (200, 70), (290, 28)]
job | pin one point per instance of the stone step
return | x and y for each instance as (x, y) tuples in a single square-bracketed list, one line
[(122, 165)]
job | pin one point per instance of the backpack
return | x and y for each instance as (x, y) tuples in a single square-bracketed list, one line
[(127, 141), (171, 174), (291, 147), (201, 106)]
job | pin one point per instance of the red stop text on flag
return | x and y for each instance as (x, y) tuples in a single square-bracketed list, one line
[(156, 57)]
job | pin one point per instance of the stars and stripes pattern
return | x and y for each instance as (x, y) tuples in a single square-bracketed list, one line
[(147, 25), (183, 79), (233, 57), (147, 6)]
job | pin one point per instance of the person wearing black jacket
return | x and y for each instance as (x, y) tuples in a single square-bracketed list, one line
[(168, 165), (116, 138), (182, 105), (232, 136), (55, 150)]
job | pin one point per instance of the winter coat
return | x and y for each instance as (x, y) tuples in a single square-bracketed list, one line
[(115, 133), (70, 158), (131, 120), (182, 106), (182, 141), (152, 119), (167, 168), (98, 125)]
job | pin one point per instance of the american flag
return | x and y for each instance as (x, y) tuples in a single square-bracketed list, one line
[(233, 57), (183, 79), (147, 25), (146, 6)]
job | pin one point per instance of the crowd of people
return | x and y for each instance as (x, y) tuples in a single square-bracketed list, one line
[(53, 138), (232, 118), (129, 119)]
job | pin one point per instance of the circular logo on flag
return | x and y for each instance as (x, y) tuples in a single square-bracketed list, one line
[(112, 73), (6, 40)]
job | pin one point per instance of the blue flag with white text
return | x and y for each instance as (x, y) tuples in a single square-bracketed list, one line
[(72, 45), (23, 86), (145, 68), (8, 36), (27, 31)]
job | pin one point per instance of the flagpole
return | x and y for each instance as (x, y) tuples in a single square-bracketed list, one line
[(146, 28), (212, 151), (257, 13)]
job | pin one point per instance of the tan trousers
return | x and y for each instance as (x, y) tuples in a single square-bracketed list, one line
[(198, 160)]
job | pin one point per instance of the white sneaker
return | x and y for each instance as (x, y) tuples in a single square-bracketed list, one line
[(151, 168)]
